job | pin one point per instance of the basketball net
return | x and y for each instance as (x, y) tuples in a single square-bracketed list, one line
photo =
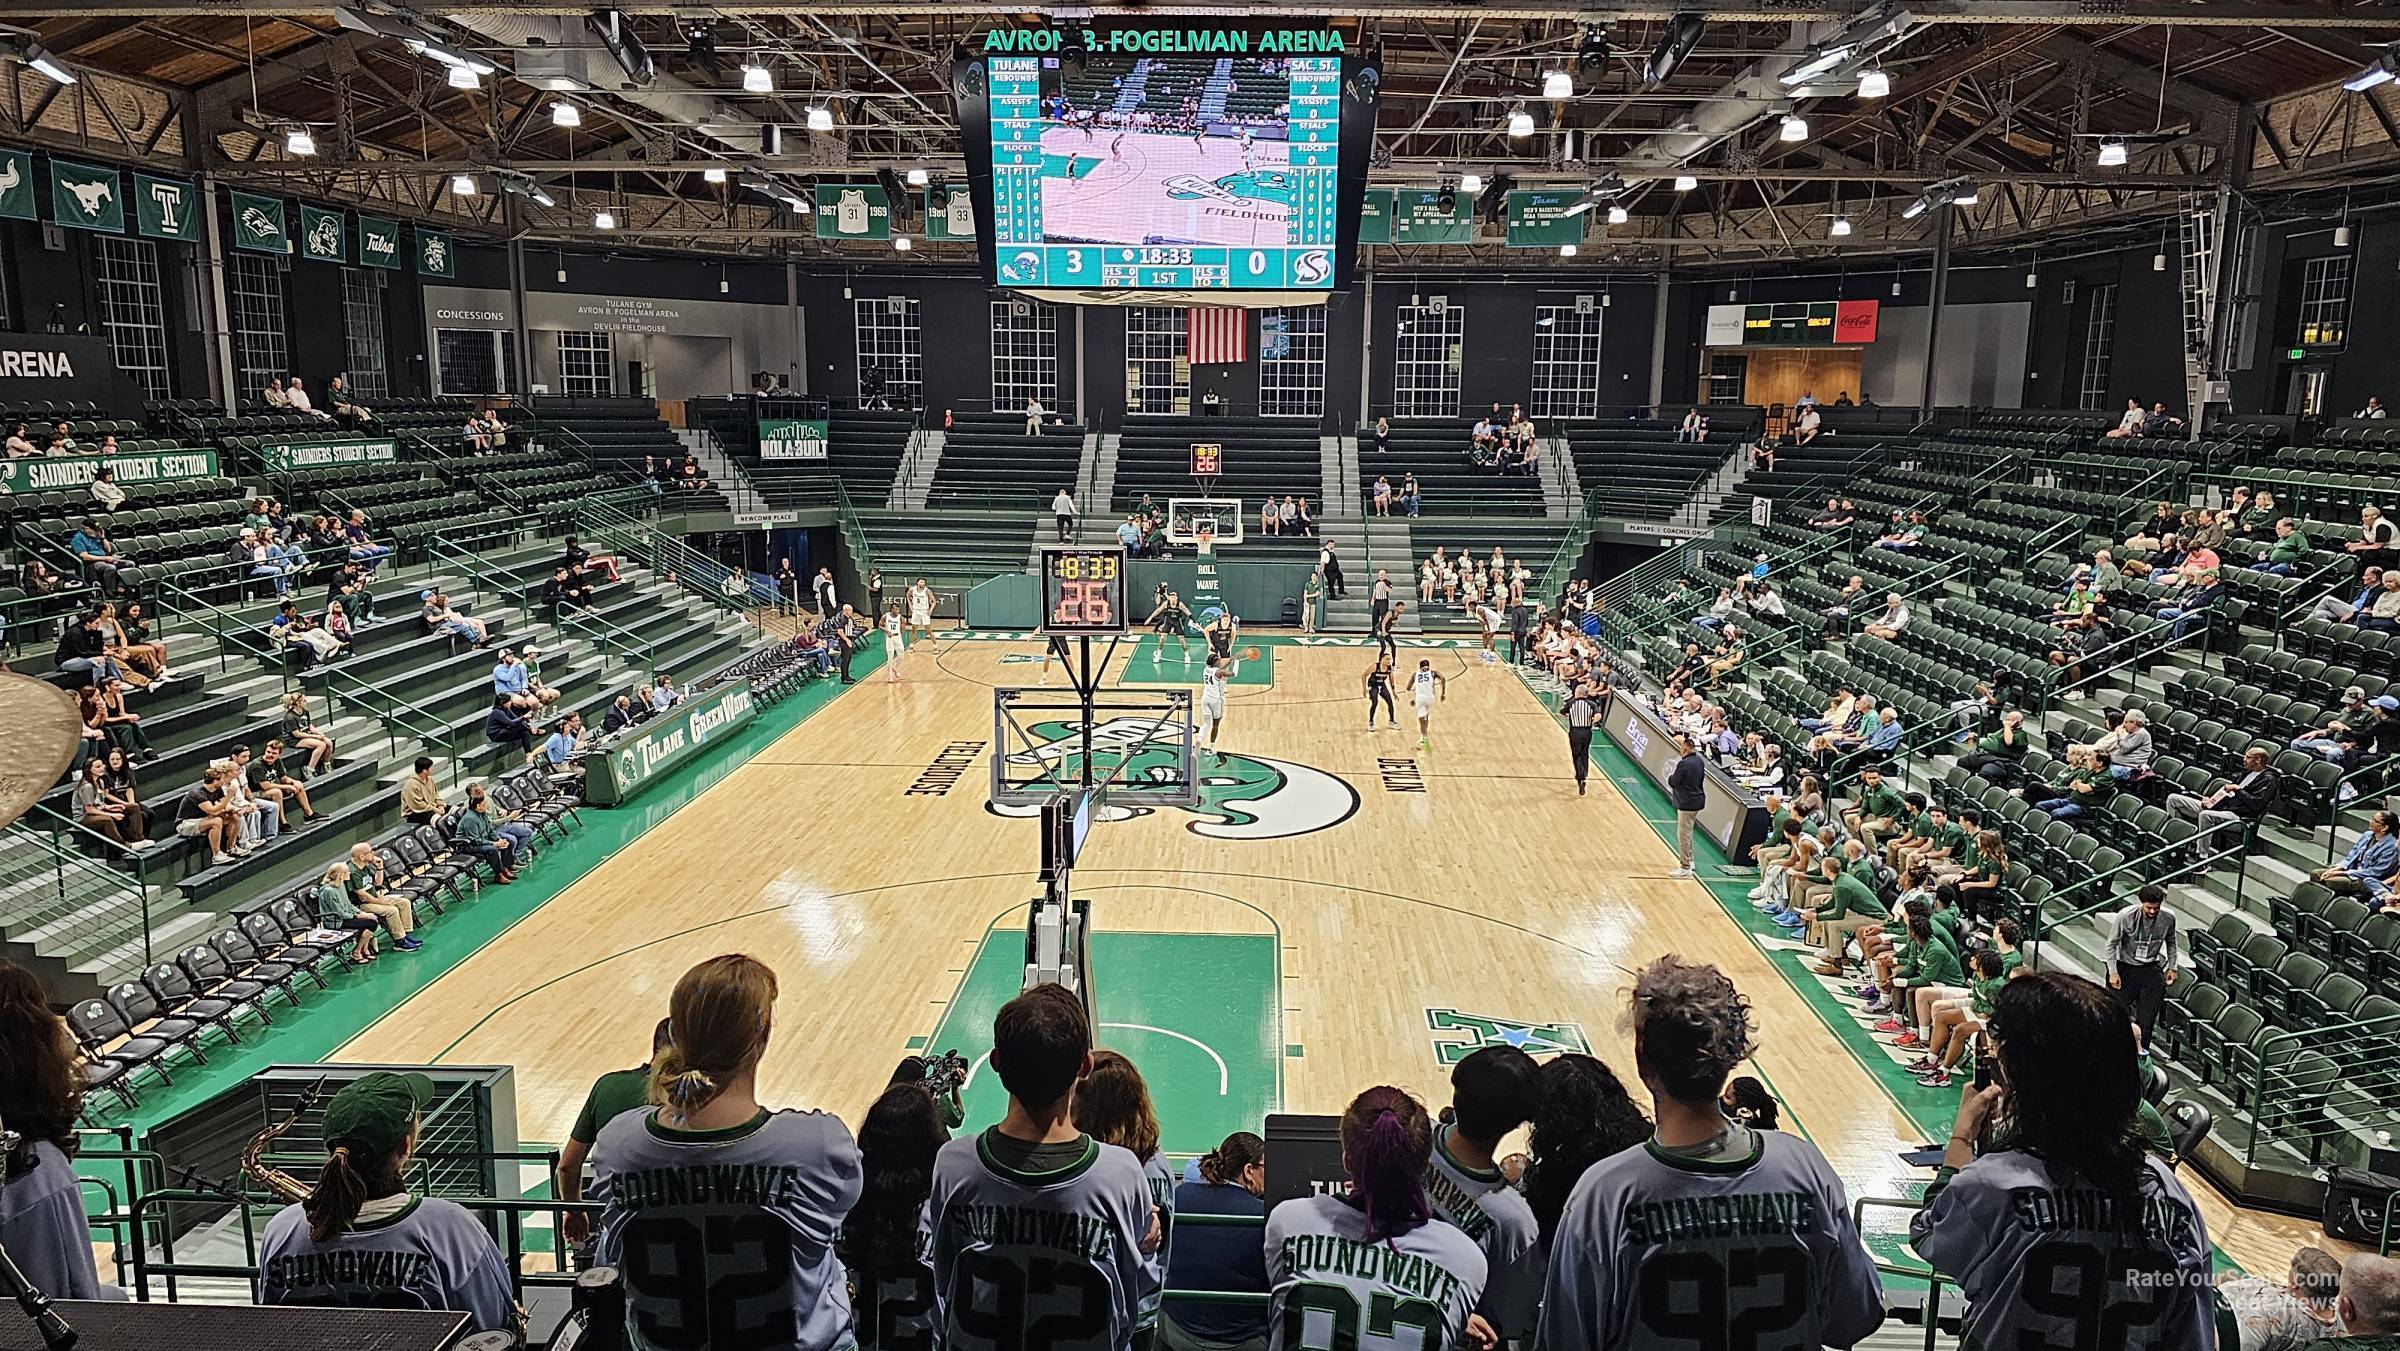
[(1204, 539)]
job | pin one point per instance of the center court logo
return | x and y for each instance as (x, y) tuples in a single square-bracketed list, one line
[(1265, 185), (1480, 1031), (1249, 797)]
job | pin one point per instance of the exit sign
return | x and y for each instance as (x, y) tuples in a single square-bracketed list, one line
[(2296, 354)]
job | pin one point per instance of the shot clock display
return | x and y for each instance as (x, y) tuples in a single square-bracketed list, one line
[(1083, 592)]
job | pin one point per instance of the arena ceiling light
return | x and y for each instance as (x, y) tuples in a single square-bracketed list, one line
[(418, 40), (2112, 154), (462, 185), (902, 243), (1823, 61), (1603, 191), (1873, 83), (1840, 227), (918, 178), (1916, 208), (769, 186), (1794, 128), (22, 47), (1558, 84), (820, 118), (1618, 215), (2381, 70), (565, 114), (1470, 182), (1965, 194), (463, 77), (1685, 182), (1683, 34), (522, 185), (297, 141), (1591, 52), (757, 79), (1520, 122), (604, 219), (1566, 250), (712, 174)]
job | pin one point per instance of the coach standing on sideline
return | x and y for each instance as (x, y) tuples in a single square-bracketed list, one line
[(2141, 954), (1063, 507), (1330, 564), (1582, 710), (1687, 784)]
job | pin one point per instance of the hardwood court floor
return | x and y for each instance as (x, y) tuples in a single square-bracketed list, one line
[(1400, 900)]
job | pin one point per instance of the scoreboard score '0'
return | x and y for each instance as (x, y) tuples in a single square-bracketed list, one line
[(1083, 591)]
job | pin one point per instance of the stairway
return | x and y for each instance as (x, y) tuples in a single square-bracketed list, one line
[(1096, 479), (1337, 467), (917, 466), (1695, 514), (1364, 546), (1562, 493), (1215, 91), (726, 473)]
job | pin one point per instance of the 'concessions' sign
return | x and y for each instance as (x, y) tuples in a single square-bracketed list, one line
[(49, 473), (648, 750), (783, 438), (282, 457)]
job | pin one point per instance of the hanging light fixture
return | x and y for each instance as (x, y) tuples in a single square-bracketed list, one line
[(1470, 182), (604, 219), (820, 118), (1520, 122), (1685, 182), (1617, 215), (463, 77), (757, 79), (712, 175), (2112, 153), (1873, 83), (903, 243), (1795, 128), (462, 185), (565, 114), (297, 141), (1558, 85), (1566, 250), (917, 178), (1841, 227)]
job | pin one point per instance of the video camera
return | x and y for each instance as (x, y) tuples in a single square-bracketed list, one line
[(946, 1074)]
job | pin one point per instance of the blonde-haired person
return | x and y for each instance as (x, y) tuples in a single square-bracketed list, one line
[(364, 890), (303, 735), (721, 1213), (361, 1240), (335, 910), (1112, 1105)]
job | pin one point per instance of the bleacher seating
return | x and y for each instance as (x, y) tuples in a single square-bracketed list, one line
[(1640, 469), (1436, 452), (989, 463), (1262, 455)]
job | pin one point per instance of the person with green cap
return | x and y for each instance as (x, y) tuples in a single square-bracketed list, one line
[(360, 1240)]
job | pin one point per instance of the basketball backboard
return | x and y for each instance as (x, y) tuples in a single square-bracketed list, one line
[(1137, 744), (1220, 516)]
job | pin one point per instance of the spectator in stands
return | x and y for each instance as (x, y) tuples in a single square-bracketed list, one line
[(1411, 496), (1694, 427), (578, 557), (439, 618), (250, 553), (105, 493), (1907, 532), (2374, 409), (2373, 856), (2378, 542), (203, 814), (105, 811), (2130, 425), (346, 410), (1228, 1180), (2240, 801), (1893, 621), (62, 437), (2368, 1309), (2086, 790), (1308, 522), (2289, 1314), (273, 395), (664, 695), (567, 589), (2348, 714), (1329, 563), (1382, 495), (504, 726), (303, 735), (510, 681), (351, 588), (2160, 422), (42, 1222), (1804, 428), (296, 396), (2257, 521), (1287, 515), (562, 750), (1212, 404), (2290, 548), (2345, 602), (259, 819), (477, 440), (1381, 438), (420, 796), (1270, 519), (1033, 416), (1129, 534), (271, 775), (2163, 522), (1062, 512), (363, 547), (2383, 613), (83, 650), (475, 834), (2190, 610), (689, 477), (101, 562), (1833, 517), (128, 641), (20, 446)]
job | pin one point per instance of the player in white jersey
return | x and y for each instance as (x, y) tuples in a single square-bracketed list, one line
[(1493, 1091), (720, 1214), (1713, 1234), (361, 1241), (920, 609), (2065, 1232), (884, 1240), (1373, 1270), (895, 642), (1112, 1105), (1213, 675), (1040, 1233), (1423, 685)]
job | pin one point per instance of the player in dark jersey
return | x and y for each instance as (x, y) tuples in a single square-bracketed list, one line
[(1713, 1234), (2063, 1231), (1379, 690), (720, 1213), (1170, 619), (884, 1243)]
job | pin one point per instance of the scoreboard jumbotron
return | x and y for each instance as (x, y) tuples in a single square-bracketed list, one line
[(1800, 323)]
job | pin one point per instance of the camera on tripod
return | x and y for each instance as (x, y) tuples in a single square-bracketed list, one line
[(946, 1074)]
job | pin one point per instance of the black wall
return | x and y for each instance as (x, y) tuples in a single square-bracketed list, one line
[(1497, 363), (2147, 360)]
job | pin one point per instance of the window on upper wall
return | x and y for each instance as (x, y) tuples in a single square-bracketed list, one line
[(133, 310), (1024, 354), (1158, 375), (362, 331), (1427, 353), (2099, 347), (889, 341), (1566, 360), (254, 288), (587, 365), (2324, 302), (1291, 361)]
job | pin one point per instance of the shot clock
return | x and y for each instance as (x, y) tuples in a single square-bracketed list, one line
[(1083, 592)]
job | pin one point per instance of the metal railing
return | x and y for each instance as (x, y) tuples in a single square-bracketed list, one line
[(50, 883), (675, 561), (604, 636), (2140, 869), (398, 716), (2312, 1093)]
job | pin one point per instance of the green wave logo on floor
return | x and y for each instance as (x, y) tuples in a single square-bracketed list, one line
[(1248, 797), (1258, 185)]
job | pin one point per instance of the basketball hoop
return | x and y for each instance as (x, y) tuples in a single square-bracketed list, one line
[(1204, 538)]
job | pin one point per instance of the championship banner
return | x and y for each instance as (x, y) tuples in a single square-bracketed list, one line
[(378, 241), (166, 208), (436, 255), (1375, 217), (86, 196), (646, 751), (853, 211), (259, 224), (322, 236), (46, 473), (955, 219), (1418, 217), (783, 438), (16, 185), (1538, 219), (282, 457)]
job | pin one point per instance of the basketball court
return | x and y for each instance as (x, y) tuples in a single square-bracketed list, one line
[(1163, 186), (1298, 935)]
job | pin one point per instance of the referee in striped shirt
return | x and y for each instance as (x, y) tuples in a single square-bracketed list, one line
[(1582, 710), (2141, 954)]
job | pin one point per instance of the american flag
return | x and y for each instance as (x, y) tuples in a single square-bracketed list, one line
[(1217, 335)]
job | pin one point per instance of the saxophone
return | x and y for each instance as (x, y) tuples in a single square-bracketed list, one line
[(288, 1189)]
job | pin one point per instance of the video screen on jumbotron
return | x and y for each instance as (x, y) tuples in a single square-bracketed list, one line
[(1169, 160)]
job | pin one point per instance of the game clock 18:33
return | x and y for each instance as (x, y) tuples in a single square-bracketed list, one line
[(1083, 592)]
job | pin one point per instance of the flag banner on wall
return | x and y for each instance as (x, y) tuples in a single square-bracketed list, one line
[(166, 208), (1538, 219), (437, 255), (1216, 335), (378, 241), (86, 196), (1375, 217), (952, 219), (16, 185), (323, 238), (259, 224), (853, 211), (1274, 336)]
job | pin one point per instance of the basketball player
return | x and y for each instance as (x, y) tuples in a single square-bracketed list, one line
[(1213, 675), (1073, 158), (1116, 147), (1715, 1231), (895, 643), (1424, 684), (1493, 1091), (1221, 630), (920, 608), (1379, 689), (2071, 1226), (361, 1241), (708, 1260), (1374, 1268), (1170, 620), (1038, 1228), (1387, 629), (1489, 617)]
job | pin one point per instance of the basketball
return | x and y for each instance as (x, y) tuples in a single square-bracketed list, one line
[(1249, 654)]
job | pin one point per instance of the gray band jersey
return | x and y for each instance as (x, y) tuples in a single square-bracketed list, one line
[(725, 1238), (1335, 1290), (1040, 1261), (1159, 1176), (1486, 1209), (432, 1254), (2047, 1260), (1660, 1253), (894, 1309)]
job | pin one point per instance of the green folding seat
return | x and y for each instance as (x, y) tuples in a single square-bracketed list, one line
[(2334, 1000), (2209, 946), (2189, 1002), (2279, 986), (2214, 1039), (2297, 1091), (2244, 964)]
